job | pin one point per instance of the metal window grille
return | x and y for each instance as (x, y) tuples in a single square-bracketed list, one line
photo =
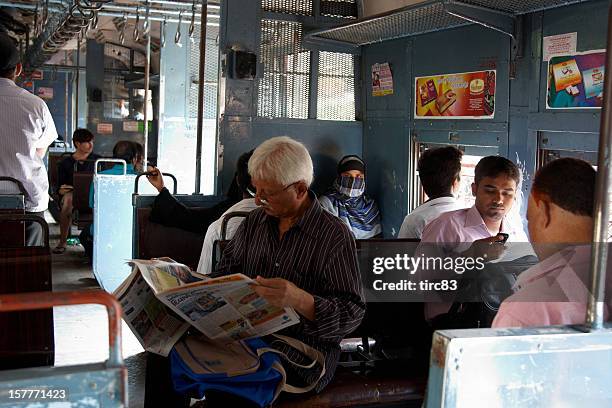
[(336, 90), (283, 89), (211, 72), (299, 7), (339, 8)]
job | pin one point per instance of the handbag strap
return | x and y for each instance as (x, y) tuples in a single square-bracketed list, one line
[(314, 354)]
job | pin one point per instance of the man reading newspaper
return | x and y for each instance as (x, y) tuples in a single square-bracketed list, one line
[(301, 256)]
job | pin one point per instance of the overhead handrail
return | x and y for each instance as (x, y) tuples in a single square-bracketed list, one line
[(177, 36)]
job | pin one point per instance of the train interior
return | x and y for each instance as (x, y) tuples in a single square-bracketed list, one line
[(200, 83)]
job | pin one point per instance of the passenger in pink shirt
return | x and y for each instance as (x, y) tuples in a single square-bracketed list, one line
[(475, 232), (560, 217)]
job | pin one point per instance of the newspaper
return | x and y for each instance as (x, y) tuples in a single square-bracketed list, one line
[(161, 299)]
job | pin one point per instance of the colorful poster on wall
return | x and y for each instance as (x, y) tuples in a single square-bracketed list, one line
[(576, 81), (382, 80), (45, 93), (468, 95)]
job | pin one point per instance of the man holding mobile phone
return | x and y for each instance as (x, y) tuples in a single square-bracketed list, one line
[(482, 230)]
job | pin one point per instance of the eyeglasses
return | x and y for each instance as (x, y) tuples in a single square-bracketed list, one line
[(253, 193)]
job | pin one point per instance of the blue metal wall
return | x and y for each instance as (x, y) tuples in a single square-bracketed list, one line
[(520, 117), (57, 105), (241, 130)]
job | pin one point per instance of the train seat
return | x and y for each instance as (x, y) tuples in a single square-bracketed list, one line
[(30, 342), (155, 240), (393, 385), (80, 199)]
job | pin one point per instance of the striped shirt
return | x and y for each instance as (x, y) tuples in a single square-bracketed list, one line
[(318, 255), (25, 125)]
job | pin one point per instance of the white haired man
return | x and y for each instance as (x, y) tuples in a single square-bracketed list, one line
[(301, 256)]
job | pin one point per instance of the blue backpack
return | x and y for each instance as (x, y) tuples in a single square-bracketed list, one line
[(249, 369)]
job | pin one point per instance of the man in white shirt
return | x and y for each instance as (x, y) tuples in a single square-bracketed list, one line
[(439, 171), (26, 130), (246, 204)]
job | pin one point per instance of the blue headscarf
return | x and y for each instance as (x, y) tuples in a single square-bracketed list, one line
[(353, 207)]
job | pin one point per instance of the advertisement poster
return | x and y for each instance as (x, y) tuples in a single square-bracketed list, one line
[(576, 81), (562, 44), (45, 93), (469, 95), (133, 126), (382, 80), (105, 128)]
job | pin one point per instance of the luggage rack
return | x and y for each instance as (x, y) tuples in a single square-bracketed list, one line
[(430, 16)]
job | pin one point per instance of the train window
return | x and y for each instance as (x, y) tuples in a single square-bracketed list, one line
[(471, 157), (298, 7), (336, 86), (283, 91), (175, 147)]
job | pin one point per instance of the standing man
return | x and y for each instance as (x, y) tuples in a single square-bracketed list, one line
[(439, 171), (26, 130)]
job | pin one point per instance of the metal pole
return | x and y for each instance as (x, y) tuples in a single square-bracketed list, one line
[(599, 252), (77, 80), (146, 96), (203, 18), (66, 102)]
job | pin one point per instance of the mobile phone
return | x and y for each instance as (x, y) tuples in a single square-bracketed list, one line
[(504, 237)]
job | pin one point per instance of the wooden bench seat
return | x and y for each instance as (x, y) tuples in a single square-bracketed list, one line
[(388, 386)]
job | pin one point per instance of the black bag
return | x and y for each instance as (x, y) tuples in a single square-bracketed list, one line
[(481, 293)]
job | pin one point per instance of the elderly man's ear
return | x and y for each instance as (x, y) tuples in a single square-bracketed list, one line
[(301, 189)]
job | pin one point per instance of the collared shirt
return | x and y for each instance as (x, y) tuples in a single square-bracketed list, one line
[(553, 292), (214, 233), (415, 222), (318, 255), (26, 125), (454, 232)]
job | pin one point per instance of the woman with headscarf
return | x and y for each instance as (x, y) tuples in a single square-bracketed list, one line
[(347, 199)]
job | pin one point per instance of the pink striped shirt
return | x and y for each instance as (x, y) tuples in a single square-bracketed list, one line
[(553, 292)]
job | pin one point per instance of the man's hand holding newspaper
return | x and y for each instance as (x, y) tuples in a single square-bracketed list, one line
[(224, 309)]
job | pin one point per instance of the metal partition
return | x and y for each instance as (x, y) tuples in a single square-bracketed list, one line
[(112, 227), (541, 367)]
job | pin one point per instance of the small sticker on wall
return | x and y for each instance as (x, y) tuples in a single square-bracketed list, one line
[(45, 93), (382, 80), (131, 126), (559, 45), (37, 75), (105, 128)]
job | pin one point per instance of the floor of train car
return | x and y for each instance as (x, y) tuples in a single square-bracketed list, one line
[(81, 332)]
